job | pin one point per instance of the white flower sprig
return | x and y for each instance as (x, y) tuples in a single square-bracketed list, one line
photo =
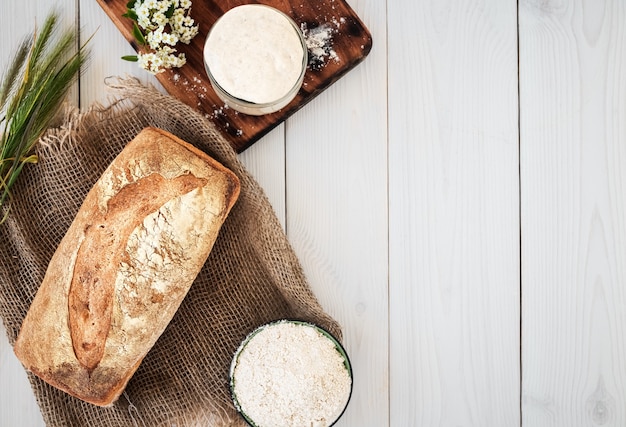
[(160, 25)]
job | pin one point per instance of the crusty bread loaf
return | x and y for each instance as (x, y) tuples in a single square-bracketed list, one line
[(127, 261)]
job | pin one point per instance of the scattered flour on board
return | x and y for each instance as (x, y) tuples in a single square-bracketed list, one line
[(199, 88), (196, 85), (319, 42), (289, 374)]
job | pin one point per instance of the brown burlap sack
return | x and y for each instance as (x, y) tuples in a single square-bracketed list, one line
[(251, 277)]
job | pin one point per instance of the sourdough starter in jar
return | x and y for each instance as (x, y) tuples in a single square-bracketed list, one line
[(256, 58)]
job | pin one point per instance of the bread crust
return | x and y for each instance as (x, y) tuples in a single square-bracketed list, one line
[(137, 243)]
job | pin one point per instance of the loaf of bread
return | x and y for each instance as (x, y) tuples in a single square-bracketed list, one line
[(127, 261)]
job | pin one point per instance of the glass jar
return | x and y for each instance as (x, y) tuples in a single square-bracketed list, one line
[(256, 58)]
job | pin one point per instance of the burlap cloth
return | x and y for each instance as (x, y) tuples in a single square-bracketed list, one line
[(252, 275)]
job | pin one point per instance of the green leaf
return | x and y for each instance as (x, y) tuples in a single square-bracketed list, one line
[(131, 14), (170, 12), (130, 58), (131, 4), (138, 35)]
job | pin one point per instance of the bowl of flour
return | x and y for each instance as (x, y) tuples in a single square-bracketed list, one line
[(256, 58), (290, 373)]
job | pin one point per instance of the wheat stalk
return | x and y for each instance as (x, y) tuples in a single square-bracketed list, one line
[(33, 88)]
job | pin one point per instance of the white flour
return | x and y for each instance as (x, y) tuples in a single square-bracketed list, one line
[(290, 374), (255, 54), (319, 43)]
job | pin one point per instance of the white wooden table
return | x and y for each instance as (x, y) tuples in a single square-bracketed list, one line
[(458, 202)]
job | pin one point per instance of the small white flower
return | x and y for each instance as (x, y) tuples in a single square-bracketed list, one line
[(159, 19), (178, 18), (149, 62), (170, 39), (155, 38), (163, 6), (188, 34), (178, 61)]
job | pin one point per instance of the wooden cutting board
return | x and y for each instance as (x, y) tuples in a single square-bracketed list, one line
[(349, 44)]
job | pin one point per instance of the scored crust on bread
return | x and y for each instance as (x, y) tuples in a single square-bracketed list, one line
[(128, 259)]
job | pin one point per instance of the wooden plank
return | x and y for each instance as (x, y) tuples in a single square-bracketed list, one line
[(337, 214), (351, 43), (453, 214), (17, 401), (573, 170), (107, 46), (265, 161)]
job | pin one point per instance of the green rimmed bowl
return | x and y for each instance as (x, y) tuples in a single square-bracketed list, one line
[(335, 384)]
